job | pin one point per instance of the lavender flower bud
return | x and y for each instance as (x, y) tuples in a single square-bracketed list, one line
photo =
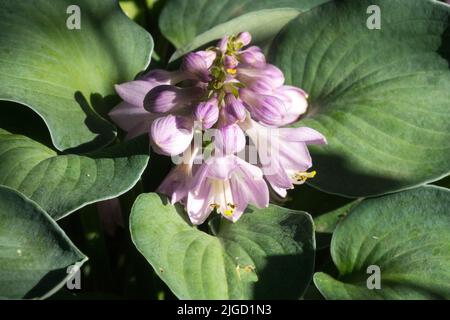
[(207, 113), (165, 98)]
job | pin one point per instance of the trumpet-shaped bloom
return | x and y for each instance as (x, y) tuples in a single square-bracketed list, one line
[(165, 98), (227, 184), (283, 153)]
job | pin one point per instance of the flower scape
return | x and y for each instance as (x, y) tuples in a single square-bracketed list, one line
[(223, 93)]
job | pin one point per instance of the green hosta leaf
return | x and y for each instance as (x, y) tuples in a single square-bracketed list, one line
[(62, 184), (67, 76), (381, 97), (35, 254), (326, 223), (189, 24), (268, 253), (406, 235), (261, 32)]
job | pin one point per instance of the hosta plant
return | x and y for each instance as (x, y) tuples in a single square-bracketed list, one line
[(191, 149)]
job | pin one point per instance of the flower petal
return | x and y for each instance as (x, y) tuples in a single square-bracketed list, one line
[(265, 78), (176, 184), (244, 38), (196, 65), (198, 204), (160, 77), (131, 118), (295, 102), (253, 56), (165, 98), (207, 112), (229, 139), (303, 134), (253, 183), (171, 135), (221, 168), (134, 92), (209, 56), (265, 108), (234, 109)]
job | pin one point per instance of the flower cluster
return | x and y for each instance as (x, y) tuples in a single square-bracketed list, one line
[(230, 90)]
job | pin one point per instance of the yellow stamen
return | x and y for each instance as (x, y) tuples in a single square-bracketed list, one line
[(229, 212), (303, 176), (231, 71)]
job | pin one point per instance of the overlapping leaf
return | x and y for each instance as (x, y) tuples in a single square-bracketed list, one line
[(381, 97), (63, 183), (191, 24), (406, 235), (269, 253), (36, 257), (67, 75)]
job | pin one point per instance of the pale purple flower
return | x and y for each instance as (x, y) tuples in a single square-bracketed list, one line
[(230, 63), (130, 114), (268, 109), (133, 119), (209, 57), (223, 44), (228, 89), (295, 103), (262, 80), (244, 38), (158, 77), (196, 65), (168, 98), (207, 113), (234, 109), (253, 57), (283, 153), (178, 182), (171, 135), (229, 139), (227, 184)]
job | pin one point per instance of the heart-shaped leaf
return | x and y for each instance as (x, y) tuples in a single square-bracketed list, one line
[(405, 235), (61, 184), (191, 24), (67, 75), (36, 257), (380, 96), (268, 253)]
